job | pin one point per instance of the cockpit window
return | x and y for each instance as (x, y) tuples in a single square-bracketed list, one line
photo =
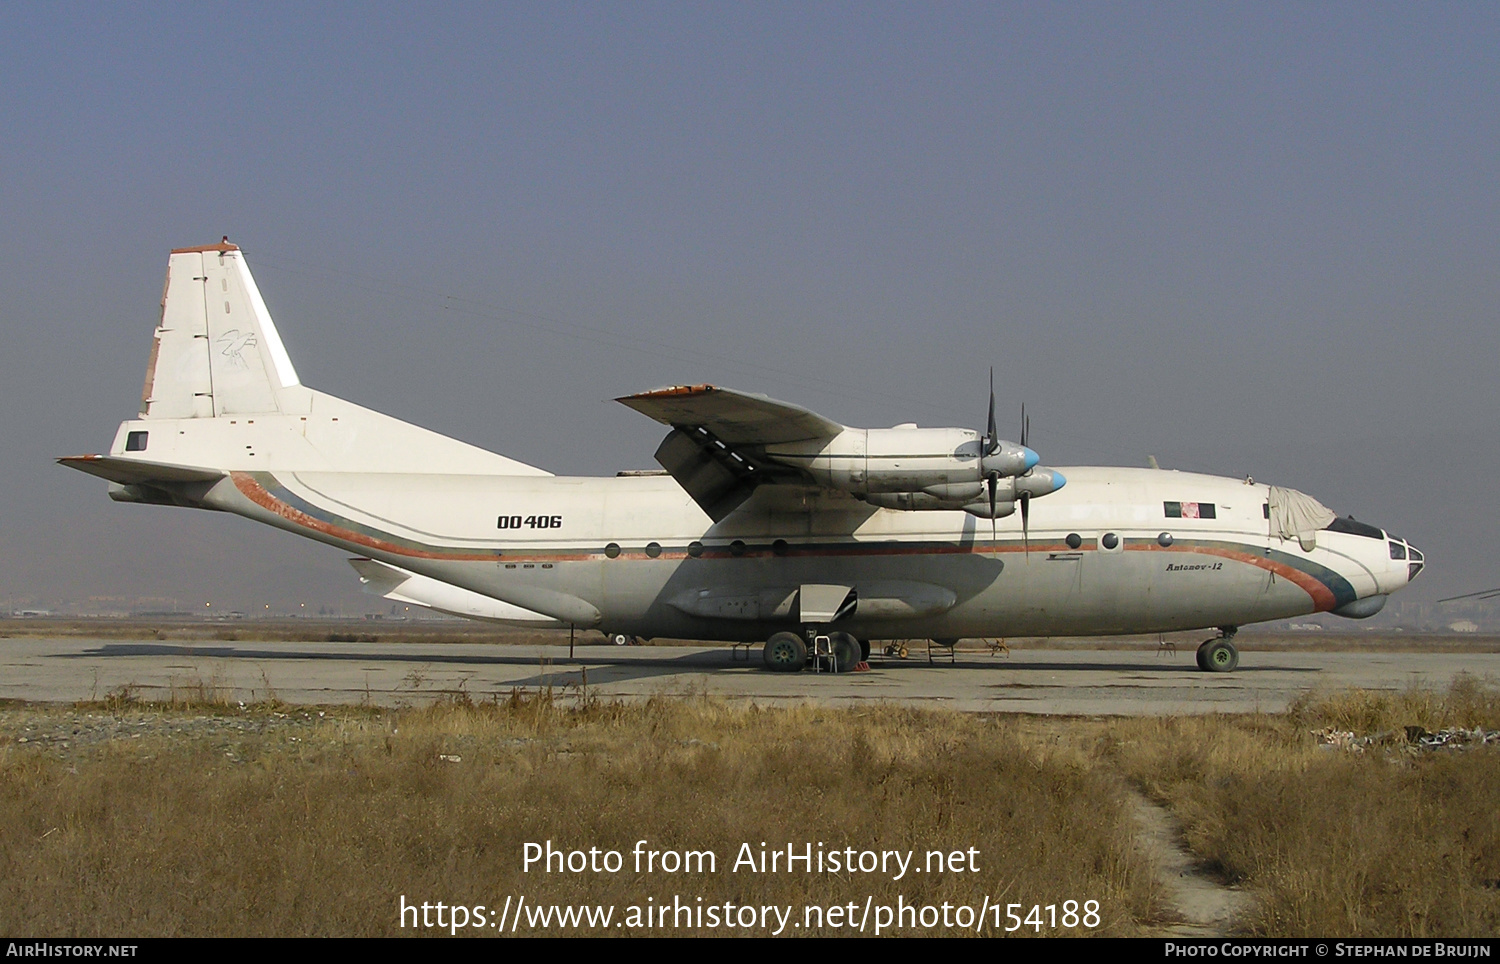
[(1398, 551), (1347, 524)]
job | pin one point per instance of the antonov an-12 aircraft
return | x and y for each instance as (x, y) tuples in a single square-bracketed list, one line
[(771, 523)]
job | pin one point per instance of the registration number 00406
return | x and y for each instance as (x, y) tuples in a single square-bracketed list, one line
[(530, 522)]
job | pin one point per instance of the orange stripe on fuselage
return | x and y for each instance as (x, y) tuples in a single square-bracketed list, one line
[(258, 494), (1321, 595)]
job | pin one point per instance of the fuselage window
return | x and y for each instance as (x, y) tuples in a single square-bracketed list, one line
[(779, 547), (737, 548), (1194, 510), (136, 441), (1109, 540), (1074, 540), (695, 549), (1164, 540), (653, 549), (612, 550)]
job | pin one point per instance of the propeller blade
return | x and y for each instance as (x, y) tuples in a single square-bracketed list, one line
[(991, 434), (994, 481), (1026, 523), (1025, 426)]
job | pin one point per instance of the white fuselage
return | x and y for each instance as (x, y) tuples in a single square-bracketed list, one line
[(225, 423), (637, 555)]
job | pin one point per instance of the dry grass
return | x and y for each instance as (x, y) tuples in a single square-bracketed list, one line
[(1391, 841), (275, 822), (198, 817), (1467, 703)]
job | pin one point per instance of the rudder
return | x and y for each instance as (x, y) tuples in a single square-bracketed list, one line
[(216, 350)]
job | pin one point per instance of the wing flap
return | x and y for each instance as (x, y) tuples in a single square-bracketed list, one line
[(715, 481)]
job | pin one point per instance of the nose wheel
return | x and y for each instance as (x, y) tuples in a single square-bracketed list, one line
[(1218, 655)]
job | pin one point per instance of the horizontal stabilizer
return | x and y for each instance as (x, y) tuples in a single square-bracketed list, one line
[(138, 471)]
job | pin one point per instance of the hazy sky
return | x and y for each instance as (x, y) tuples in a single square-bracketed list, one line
[(1248, 239)]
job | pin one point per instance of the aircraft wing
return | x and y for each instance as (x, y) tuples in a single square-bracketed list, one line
[(732, 417), (717, 434)]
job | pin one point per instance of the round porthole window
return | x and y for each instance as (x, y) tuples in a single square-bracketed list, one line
[(1074, 540), (1109, 540), (612, 550), (779, 547), (1164, 540), (653, 549), (695, 549), (737, 548)]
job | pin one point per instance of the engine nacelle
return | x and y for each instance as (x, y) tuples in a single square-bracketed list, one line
[(946, 465), (923, 502)]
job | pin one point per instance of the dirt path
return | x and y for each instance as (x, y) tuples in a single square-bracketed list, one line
[(1204, 907)]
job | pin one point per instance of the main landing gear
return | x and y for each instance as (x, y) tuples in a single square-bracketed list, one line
[(788, 652), (1218, 655)]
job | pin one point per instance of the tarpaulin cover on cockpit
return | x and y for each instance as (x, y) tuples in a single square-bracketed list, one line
[(1297, 515)]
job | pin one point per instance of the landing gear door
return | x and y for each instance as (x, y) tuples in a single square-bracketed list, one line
[(820, 604)]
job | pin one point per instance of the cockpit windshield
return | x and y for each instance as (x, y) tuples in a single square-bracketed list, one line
[(1349, 525)]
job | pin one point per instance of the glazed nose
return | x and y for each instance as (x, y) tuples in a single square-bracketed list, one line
[(1403, 551), (1414, 562)]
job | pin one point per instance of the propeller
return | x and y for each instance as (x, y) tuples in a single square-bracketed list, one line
[(991, 446), (1025, 495), (999, 460)]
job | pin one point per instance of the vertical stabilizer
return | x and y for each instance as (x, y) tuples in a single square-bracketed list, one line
[(216, 351)]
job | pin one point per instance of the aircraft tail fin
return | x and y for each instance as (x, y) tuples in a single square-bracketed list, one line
[(217, 355), (216, 350)]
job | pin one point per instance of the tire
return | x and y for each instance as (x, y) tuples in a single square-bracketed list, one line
[(785, 653), (864, 650), (1202, 649), (620, 639), (1220, 656), (846, 652)]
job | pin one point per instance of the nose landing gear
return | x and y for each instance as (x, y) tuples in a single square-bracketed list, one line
[(1218, 655)]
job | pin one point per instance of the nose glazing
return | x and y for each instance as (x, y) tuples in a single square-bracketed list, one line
[(1414, 562)]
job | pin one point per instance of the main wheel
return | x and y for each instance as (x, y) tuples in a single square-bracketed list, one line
[(785, 653), (1202, 649), (620, 639), (1220, 656), (846, 651), (864, 650)]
